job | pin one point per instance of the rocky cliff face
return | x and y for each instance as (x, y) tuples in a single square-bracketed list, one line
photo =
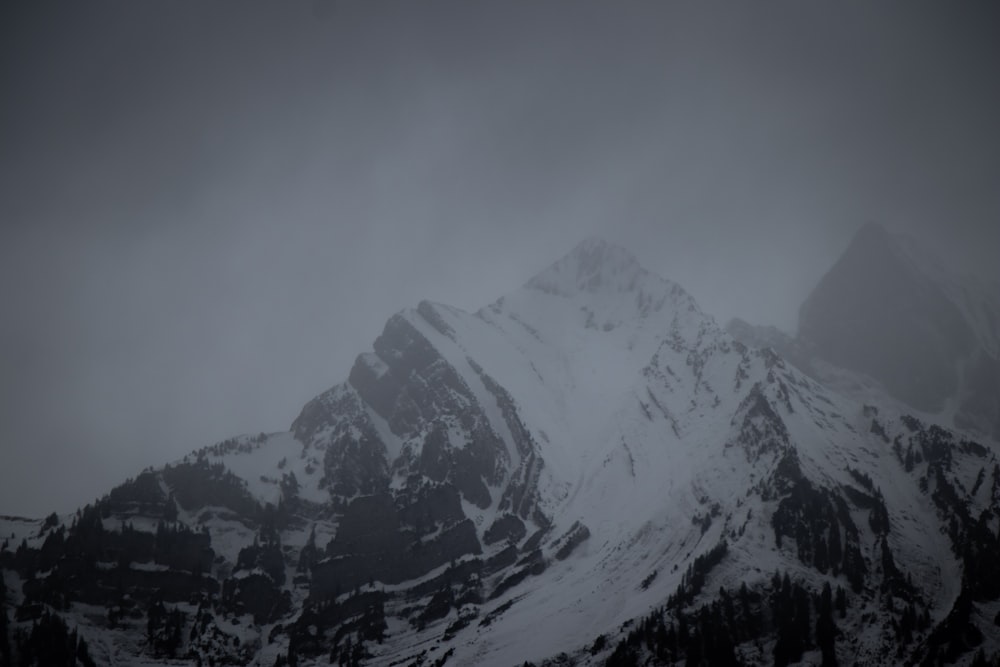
[(587, 471)]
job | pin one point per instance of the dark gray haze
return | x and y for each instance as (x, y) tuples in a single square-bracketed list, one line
[(209, 209)]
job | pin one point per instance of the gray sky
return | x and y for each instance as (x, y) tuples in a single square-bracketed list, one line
[(208, 209)]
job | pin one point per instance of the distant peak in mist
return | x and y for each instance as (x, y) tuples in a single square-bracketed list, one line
[(593, 265), (595, 247), (872, 230)]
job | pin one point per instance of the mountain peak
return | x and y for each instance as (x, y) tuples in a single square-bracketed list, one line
[(873, 241), (594, 265), (872, 231), (595, 248), (877, 311)]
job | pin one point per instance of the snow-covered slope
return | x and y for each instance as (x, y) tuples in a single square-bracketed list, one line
[(589, 466)]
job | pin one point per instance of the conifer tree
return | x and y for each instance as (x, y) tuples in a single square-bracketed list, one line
[(4, 639), (826, 630)]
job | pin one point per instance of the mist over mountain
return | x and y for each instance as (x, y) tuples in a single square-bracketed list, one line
[(209, 208), (890, 311), (589, 470)]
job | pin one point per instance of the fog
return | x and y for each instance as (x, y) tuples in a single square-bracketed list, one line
[(209, 209)]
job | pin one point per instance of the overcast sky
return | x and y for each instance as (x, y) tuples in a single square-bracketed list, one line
[(208, 209)]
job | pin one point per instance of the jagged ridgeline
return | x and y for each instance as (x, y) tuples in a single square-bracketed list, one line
[(587, 471)]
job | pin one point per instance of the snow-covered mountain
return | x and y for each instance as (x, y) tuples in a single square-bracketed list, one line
[(587, 471)]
